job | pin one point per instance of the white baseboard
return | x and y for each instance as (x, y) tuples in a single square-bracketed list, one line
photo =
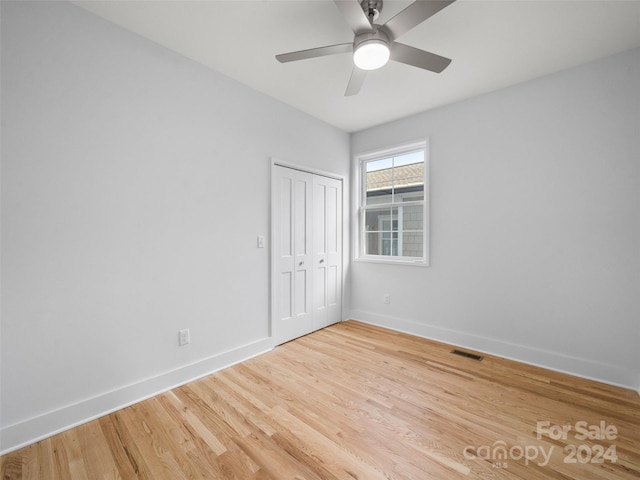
[(38, 428), (579, 367)]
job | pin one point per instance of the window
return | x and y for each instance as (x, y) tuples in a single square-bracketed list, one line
[(392, 207)]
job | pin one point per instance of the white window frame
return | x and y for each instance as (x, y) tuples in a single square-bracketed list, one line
[(359, 195)]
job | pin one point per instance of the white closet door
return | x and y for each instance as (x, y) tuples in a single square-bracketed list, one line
[(307, 256), (293, 260), (327, 251)]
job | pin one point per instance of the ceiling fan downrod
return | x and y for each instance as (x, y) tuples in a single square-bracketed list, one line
[(372, 9)]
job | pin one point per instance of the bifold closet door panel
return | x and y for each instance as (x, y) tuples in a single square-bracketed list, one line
[(327, 251), (293, 259)]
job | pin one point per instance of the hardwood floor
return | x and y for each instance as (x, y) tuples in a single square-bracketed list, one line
[(355, 401)]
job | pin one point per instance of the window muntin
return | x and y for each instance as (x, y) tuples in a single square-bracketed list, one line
[(393, 214)]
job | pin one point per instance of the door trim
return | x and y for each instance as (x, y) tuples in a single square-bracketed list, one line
[(272, 253), (314, 171)]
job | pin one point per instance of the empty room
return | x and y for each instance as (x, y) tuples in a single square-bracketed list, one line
[(299, 239)]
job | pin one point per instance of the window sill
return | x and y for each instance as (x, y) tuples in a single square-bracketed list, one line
[(413, 263)]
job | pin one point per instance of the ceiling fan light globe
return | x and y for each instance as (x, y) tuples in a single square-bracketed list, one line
[(371, 54)]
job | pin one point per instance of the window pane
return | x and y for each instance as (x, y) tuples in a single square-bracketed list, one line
[(382, 243), (408, 180), (379, 164), (393, 244), (386, 245), (408, 192), (379, 181), (372, 243), (412, 218), (388, 180), (378, 192), (407, 158), (374, 219), (405, 182), (381, 232), (413, 231), (410, 170), (412, 244)]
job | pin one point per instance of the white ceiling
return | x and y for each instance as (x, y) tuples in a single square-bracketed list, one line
[(493, 44)]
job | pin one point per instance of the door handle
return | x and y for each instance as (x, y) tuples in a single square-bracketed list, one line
[(301, 263), (322, 260)]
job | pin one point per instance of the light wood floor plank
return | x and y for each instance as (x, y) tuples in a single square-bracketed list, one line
[(353, 401), (95, 454)]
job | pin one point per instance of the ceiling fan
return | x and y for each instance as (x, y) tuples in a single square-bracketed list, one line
[(373, 45)]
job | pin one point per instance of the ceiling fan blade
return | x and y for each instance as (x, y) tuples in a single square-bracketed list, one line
[(418, 58), (355, 82), (354, 16), (413, 15), (315, 52)]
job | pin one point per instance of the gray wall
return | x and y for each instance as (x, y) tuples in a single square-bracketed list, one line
[(134, 185), (535, 224)]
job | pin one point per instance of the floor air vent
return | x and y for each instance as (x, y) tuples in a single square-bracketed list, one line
[(472, 356)]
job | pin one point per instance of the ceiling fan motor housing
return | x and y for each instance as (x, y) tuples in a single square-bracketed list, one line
[(378, 35)]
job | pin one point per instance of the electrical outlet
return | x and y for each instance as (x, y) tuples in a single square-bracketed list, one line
[(387, 298), (184, 336)]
